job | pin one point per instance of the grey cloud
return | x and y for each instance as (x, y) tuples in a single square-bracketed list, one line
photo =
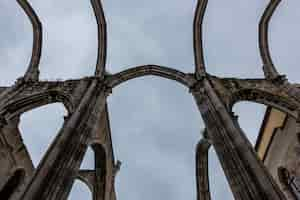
[(155, 123)]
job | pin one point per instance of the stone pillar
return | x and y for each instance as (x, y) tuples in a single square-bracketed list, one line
[(202, 175), (54, 176), (248, 178), (16, 165), (100, 173), (32, 73)]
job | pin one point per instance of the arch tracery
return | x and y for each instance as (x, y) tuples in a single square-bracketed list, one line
[(268, 99), (22, 105), (233, 90)]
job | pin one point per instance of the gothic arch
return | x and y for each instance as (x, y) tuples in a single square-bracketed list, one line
[(197, 35), (284, 104), (25, 104), (154, 70)]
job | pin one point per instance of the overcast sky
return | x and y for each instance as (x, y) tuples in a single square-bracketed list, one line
[(155, 122)]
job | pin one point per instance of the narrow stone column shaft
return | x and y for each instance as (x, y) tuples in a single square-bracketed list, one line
[(100, 174), (203, 192), (248, 178)]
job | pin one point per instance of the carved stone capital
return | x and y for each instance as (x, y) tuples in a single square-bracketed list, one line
[(198, 86)]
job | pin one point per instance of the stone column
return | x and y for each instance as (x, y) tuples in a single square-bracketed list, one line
[(248, 178), (202, 175), (54, 176), (14, 158), (100, 173)]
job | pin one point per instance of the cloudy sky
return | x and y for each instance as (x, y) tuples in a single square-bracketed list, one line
[(155, 123)]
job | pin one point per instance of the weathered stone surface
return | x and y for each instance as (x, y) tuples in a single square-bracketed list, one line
[(87, 123), (203, 192)]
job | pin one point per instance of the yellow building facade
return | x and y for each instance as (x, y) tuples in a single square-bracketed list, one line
[(278, 147)]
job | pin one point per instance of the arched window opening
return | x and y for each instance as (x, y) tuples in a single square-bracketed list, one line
[(39, 127), (155, 130), (219, 186), (88, 162), (231, 38), (80, 191), (150, 32), (69, 39), (16, 42), (12, 184), (250, 117)]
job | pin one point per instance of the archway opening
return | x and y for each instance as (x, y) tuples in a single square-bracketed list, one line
[(88, 162), (231, 38), (80, 191), (155, 130), (150, 32), (69, 39), (39, 127), (250, 117)]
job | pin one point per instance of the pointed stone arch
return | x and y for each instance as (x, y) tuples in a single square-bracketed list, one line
[(269, 93), (281, 103), (24, 104), (154, 70)]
